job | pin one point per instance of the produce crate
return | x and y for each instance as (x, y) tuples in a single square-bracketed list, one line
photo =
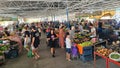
[(85, 50), (86, 58)]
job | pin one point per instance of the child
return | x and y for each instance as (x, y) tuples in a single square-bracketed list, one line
[(68, 46)]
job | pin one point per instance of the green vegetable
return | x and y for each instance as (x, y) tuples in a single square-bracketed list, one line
[(3, 48), (87, 43), (115, 56)]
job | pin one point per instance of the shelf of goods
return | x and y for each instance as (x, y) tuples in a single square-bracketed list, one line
[(8, 49), (107, 53)]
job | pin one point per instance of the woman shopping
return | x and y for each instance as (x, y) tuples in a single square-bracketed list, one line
[(52, 38), (35, 42), (61, 36)]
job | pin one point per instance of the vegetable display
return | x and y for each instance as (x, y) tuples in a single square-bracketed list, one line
[(115, 56), (87, 43)]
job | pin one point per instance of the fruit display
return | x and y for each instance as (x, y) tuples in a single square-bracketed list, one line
[(104, 51), (87, 43)]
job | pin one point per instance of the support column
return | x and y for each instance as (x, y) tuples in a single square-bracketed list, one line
[(67, 14)]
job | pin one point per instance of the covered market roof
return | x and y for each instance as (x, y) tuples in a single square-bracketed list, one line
[(31, 8)]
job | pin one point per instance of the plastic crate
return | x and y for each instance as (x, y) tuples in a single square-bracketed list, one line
[(86, 58), (87, 50)]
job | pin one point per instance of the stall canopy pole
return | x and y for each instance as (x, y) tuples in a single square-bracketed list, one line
[(67, 12)]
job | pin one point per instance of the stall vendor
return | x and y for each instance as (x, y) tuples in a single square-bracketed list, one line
[(16, 38), (93, 31)]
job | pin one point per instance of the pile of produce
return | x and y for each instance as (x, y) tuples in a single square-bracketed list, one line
[(80, 38), (4, 48), (115, 56), (87, 43), (115, 46), (104, 51), (77, 41), (116, 49), (81, 35)]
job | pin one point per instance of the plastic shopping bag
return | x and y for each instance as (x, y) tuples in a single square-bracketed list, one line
[(30, 54)]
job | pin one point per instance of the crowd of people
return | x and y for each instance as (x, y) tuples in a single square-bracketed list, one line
[(62, 35)]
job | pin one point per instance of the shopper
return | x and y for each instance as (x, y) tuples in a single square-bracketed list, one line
[(68, 46), (27, 39), (48, 30), (61, 36), (111, 34), (72, 32), (52, 38), (80, 27), (35, 42), (100, 30), (38, 30)]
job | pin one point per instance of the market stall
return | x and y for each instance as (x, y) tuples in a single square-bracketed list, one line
[(8, 50), (84, 46), (110, 53)]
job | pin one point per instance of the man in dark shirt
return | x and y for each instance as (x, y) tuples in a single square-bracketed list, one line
[(35, 41)]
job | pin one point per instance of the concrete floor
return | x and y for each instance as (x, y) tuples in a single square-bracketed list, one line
[(46, 60)]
